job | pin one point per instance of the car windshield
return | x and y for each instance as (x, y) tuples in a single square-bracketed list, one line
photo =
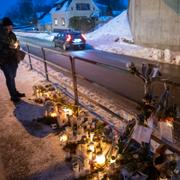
[(76, 35)]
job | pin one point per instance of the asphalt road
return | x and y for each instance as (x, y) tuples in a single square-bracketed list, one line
[(169, 71), (118, 80)]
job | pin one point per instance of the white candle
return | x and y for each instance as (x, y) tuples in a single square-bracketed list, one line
[(100, 159)]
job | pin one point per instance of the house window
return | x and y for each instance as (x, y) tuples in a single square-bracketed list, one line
[(63, 21), (55, 21), (82, 6)]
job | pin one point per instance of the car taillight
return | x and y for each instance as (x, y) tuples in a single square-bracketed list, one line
[(68, 38), (83, 36)]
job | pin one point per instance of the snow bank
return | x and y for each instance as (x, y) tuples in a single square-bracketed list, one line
[(117, 27), (41, 35), (116, 37)]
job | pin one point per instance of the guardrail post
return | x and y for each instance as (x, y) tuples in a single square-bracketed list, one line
[(45, 64), (74, 81), (30, 62)]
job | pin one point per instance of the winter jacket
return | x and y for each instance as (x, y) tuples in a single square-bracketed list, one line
[(7, 53)]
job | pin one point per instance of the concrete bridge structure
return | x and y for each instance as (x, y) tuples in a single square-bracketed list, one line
[(155, 23)]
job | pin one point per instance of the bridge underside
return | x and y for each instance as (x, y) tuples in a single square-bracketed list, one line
[(156, 23)]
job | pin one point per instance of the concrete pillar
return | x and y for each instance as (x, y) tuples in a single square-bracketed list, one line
[(155, 23)]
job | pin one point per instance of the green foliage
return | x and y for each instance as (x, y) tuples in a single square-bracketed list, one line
[(83, 24)]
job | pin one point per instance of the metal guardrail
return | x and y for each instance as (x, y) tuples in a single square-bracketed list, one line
[(72, 60), (75, 89)]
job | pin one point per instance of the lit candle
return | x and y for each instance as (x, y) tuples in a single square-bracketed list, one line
[(47, 94), (56, 109), (53, 114), (37, 93), (100, 159), (91, 136), (87, 134), (91, 146), (63, 138), (112, 160), (68, 111), (40, 94)]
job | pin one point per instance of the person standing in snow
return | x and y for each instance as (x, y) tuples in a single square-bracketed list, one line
[(8, 59)]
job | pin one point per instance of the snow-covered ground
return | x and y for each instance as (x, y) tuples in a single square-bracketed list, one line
[(115, 36), (28, 150), (41, 35)]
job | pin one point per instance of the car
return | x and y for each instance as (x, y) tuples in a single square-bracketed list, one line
[(70, 40)]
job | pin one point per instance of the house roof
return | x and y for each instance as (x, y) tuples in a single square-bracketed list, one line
[(101, 6), (64, 7), (62, 3)]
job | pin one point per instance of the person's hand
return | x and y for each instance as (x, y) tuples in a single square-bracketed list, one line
[(17, 44), (14, 45)]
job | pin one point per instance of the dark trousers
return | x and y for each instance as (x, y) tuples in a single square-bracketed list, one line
[(9, 71)]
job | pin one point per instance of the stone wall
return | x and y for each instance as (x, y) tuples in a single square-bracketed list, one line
[(156, 23)]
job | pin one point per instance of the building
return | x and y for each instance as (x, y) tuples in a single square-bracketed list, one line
[(66, 9)]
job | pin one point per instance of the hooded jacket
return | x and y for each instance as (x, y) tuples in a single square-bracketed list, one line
[(7, 54)]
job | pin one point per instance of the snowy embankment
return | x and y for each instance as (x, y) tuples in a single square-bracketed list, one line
[(115, 36), (28, 150), (39, 35)]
